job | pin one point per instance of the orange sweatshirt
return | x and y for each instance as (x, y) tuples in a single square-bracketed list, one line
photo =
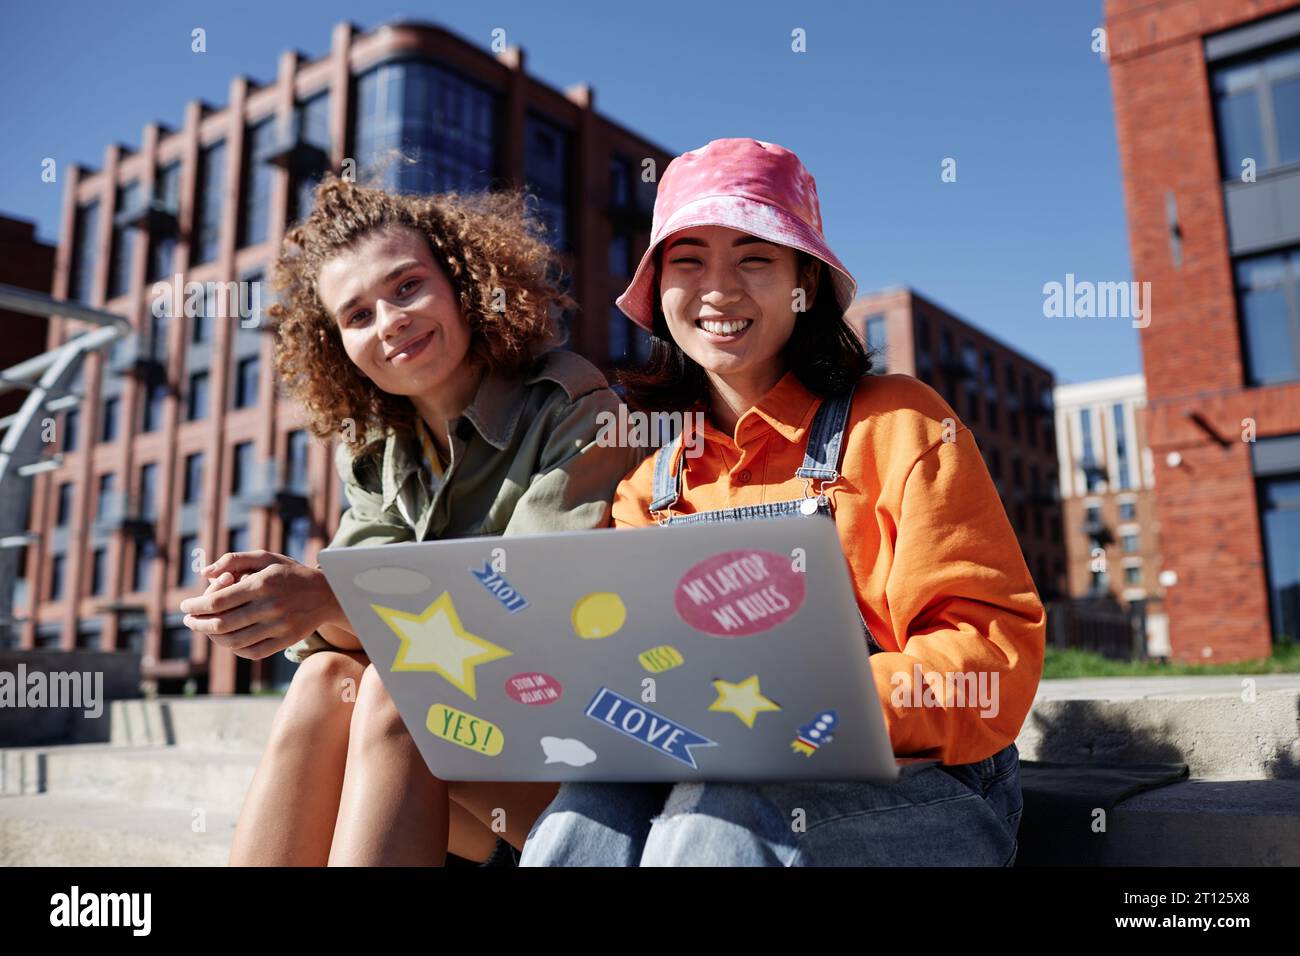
[(935, 563)]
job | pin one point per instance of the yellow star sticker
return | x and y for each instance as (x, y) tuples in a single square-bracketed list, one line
[(435, 640), (743, 699)]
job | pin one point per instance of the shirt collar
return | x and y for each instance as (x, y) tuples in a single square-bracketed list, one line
[(494, 413), (788, 407)]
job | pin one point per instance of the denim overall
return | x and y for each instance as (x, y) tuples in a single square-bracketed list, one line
[(820, 463), (922, 819)]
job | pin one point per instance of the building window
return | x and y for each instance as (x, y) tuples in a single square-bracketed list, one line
[(970, 361), (298, 449), (990, 389), (98, 570), (442, 122), (1280, 507), (246, 372), (104, 501), (57, 562), (85, 251), (176, 643), (546, 170), (196, 401), (162, 248), (145, 550), (71, 421), (193, 478), (1130, 542), (1128, 511), (620, 256), (877, 335), (1121, 447), (255, 212), (148, 501), (620, 328), (297, 530), (207, 216), (1133, 574), (1267, 290), (154, 404), (1257, 104), (63, 510), (185, 573), (201, 330), (313, 120), (1092, 514), (108, 431), (241, 478), (122, 251), (237, 539), (1088, 462)]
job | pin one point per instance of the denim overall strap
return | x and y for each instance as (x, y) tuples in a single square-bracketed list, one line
[(821, 458), (667, 483)]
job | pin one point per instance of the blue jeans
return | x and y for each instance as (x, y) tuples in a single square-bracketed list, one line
[(967, 815)]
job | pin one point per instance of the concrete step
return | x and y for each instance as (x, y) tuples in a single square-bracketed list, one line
[(56, 830), (208, 723), (1208, 823), (150, 776), (1228, 727)]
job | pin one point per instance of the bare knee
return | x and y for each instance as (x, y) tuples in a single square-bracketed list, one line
[(375, 716), (322, 692)]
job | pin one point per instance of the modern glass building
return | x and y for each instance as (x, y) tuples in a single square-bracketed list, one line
[(183, 447)]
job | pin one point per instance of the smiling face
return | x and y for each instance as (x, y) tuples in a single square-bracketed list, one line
[(727, 298), (397, 313)]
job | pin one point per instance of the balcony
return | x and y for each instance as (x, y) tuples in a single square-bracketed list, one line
[(133, 358), (154, 216), (1097, 531), (121, 511), (301, 158), (268, 488)]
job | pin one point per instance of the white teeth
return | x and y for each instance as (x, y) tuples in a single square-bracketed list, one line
[(729, 327)]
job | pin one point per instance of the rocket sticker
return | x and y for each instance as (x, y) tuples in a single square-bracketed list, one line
[(812, 735)]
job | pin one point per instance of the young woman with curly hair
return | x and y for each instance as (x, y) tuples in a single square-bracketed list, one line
[(419, 331)]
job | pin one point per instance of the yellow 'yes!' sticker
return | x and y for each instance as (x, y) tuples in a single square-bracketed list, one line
[(465, 730), (662, 658)]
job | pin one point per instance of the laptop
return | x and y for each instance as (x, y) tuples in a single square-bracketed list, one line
[(729, 651)]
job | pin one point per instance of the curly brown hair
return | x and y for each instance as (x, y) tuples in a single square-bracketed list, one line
[(493, 251)]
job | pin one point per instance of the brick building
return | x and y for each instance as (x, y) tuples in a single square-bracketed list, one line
[(1002, 396), (183, 444), (1112, 534), (1207, 102)]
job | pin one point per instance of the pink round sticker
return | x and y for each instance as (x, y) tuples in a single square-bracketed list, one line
[(534, 689), (740, 593)]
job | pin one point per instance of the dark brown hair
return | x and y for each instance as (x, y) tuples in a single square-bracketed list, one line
[(489, 245), (823, 352)]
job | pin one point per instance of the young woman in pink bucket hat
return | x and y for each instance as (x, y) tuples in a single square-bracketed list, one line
[(745, 301)]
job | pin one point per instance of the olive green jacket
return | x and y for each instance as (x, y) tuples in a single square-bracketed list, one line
[(524, 460)]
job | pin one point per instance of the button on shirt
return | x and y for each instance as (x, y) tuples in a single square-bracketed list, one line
[(936, 566)]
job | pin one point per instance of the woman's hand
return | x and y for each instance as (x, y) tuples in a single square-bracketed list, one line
[(268, 602)]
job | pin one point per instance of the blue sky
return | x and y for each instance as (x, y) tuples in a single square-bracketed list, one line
[(885, 92)]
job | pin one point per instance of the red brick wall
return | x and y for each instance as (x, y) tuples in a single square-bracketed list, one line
[(1191, 351)]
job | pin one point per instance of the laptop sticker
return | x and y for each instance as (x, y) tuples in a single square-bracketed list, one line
[(535, 689), (740, 593), (598, 614), (568, 750), (465, 730), (814, 734), (662, 658), (644, 726), (745, 700), (499, 588), (435, 640)]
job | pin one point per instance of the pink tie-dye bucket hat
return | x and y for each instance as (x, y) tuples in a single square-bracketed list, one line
[(745, 184)]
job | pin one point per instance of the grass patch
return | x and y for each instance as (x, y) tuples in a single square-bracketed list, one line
[(1072, 663)]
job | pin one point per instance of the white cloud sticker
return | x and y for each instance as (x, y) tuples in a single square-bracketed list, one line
[(567, 750), (392, 581)]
